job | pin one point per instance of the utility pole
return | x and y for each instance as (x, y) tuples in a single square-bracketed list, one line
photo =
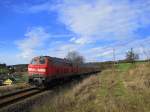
[(114, 59), (145, 53), (114, 56)]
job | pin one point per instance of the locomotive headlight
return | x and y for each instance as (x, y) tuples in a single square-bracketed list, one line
[(41, 70), (31, 69)]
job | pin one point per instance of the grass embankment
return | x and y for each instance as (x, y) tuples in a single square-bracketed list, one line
[(125, 89)]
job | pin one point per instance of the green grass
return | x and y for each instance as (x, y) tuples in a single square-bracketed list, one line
[(4, 70), (124, 66), (21, 77), (127, 66)]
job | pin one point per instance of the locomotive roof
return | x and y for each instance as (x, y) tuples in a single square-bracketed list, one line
[(64, 60), (57, 59)]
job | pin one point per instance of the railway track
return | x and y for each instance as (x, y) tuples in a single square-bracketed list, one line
[(14, 97)]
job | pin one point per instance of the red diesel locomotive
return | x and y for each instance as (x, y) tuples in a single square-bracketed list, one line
[(44, 69)]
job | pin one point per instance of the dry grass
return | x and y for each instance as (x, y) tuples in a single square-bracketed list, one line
[(110, 91), (68, 100), (139, 78), (14, 87)]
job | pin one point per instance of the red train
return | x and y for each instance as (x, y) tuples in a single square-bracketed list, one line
[(44, 69)]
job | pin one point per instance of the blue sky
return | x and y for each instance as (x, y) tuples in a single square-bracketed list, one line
[(30, 28)]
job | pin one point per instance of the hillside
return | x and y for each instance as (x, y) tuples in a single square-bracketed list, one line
[(124, 89)]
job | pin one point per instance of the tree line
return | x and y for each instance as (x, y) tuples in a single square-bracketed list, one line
[(130, 57)]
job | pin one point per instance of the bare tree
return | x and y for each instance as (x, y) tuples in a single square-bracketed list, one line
[(75, 57), (131, 56)]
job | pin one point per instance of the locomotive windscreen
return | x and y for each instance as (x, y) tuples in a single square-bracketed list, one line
[(38, 60)]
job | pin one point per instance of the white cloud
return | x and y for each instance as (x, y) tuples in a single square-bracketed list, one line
[(104, 53), (72, 39), (92, 22), (98, 20), (62, 49), (101, 19), (33, 40)]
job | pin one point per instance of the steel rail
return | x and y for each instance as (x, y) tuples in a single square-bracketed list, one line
[(16, 92), (15, 97)]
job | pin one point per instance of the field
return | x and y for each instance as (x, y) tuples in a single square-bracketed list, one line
[(125, 88)]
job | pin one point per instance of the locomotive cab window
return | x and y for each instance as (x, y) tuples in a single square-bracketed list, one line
[(34, 61), (42, 60)]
